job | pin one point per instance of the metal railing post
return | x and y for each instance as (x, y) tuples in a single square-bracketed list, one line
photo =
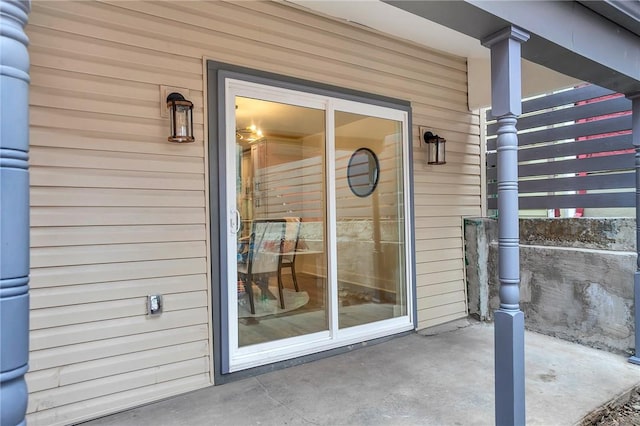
[(635, 110)]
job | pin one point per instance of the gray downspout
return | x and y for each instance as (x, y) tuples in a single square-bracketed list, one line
[(14, 205), (506, 106), (635, 111)]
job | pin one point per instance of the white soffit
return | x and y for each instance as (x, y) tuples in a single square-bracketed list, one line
[(400, 23), (397, 22)]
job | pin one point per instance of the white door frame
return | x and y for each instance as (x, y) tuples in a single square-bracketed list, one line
[(240, 358)]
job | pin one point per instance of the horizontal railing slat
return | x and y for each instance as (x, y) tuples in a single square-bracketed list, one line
[(575, 183), (578, 112), (611, 199), (593, 164), (557, 150), (577, 130), (561, 98)]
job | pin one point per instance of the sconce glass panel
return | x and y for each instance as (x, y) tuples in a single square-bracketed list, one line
[(435, 148), (181, 118)]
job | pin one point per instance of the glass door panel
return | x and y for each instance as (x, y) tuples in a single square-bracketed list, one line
[(370, 219), (280, 196)]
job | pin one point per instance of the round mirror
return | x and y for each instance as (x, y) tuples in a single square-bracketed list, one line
[(363, 172)]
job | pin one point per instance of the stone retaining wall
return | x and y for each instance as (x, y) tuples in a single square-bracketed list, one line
[(576, 277)]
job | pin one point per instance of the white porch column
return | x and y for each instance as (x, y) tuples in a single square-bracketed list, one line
[(635, 110), (509, 319)]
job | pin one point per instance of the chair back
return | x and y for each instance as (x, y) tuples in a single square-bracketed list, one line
[(266, 244), (291, 236)]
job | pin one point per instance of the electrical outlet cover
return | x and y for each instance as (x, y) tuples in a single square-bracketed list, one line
[(154, 304)]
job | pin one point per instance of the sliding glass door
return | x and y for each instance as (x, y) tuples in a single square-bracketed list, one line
[(370, 219), (317, 249)]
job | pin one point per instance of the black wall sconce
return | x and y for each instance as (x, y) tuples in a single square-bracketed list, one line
[(435, 147), (181, 118)]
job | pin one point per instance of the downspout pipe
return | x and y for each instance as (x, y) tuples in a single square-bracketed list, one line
[(635, 137), (14, 205)]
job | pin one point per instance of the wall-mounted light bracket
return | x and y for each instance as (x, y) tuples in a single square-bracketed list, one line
[(166, 91), (435, 146)]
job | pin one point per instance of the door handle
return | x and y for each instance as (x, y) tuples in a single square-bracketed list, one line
[(235, 221)]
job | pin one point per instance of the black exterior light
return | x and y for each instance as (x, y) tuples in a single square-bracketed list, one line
[(181, 118), (435, 148)]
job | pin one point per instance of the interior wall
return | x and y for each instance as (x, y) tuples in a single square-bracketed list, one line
[(118, 213)]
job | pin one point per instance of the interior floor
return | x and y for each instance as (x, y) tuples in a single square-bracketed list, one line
[(308, 318)]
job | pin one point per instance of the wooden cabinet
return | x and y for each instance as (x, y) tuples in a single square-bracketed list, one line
[(259, 163)]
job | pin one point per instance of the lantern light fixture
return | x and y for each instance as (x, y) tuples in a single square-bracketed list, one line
[(435, 147), (181, 118)]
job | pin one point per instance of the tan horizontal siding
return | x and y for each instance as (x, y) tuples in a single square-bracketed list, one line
[(77, 333), (85, 255), (125, 126), (119, 213), (440, 222), (91, 370), (69, 355), (117, 401), (116, 383), (427, 177), (447, 189), (440, 232), (92, 159), (114, 290), (439, 316), (439, 266), (443, 299), (92, 235), (94, 216), (435, 211), (94, 178), (114, 197), (442, 254), (99, 311), (85, 274), (437, 289)]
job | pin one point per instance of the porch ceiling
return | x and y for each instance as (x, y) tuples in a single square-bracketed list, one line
[(566, 36), (591, 41), (624, 13)]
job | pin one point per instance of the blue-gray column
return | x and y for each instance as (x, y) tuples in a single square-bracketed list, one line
[(635, 109), (14, 208), (509, 320)]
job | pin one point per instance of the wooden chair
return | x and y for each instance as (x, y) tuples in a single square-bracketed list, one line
[(288, 260), (263, 261)]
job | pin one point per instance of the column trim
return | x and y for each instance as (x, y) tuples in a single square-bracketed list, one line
[(512, 32)]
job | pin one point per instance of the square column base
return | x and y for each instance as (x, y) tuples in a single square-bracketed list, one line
[(509, 367)]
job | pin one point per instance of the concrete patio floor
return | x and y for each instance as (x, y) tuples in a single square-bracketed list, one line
[(439, 377)]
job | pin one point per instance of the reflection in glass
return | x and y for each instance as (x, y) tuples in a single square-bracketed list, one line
[(281, 282), (370, 220)]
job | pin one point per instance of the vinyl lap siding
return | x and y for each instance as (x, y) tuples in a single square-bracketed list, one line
[(119, 213)]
